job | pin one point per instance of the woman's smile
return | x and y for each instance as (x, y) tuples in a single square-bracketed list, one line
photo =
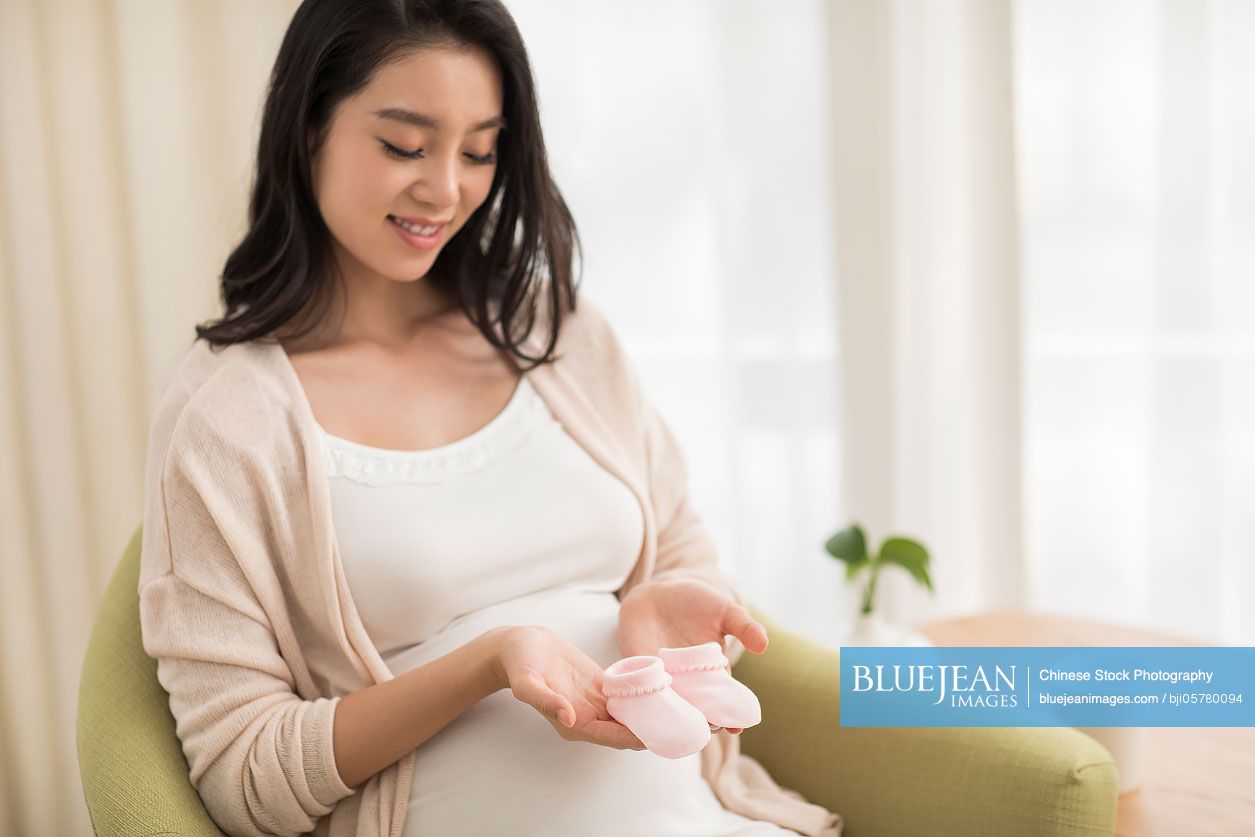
[(412, 236)]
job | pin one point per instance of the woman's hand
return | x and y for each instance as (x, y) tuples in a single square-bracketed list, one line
[(562, 683), (678, 613)]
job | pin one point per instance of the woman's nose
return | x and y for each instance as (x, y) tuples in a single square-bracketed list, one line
[(438, 184)]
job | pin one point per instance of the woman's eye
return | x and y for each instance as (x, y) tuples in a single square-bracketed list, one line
[(417, 154), (396, 152)]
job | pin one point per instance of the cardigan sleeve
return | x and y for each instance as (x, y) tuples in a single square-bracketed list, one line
[(260, 756)]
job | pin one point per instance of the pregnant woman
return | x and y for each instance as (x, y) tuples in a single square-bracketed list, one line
[(406, 499)]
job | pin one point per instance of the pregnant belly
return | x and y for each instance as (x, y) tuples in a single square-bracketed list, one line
[(502, 768)]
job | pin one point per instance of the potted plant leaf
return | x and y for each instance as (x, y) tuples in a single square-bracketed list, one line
[(850, 547)]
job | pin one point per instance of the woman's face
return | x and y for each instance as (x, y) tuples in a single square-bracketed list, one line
[(411, 145)]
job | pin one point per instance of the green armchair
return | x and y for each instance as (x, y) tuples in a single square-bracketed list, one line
[(898, 782), (907, 781)]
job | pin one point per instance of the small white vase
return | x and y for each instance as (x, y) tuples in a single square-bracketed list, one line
[(1127, 746), (871, 629)]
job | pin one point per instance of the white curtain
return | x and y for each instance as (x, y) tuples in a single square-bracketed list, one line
[(1047, 297), (928, 276), (1136, 125)]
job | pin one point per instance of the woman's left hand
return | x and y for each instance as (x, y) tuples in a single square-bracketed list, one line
[(683, 612)]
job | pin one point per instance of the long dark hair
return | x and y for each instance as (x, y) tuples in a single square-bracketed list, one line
[(517, 246)]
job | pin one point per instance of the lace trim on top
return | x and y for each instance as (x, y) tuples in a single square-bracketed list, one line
[(701, 667), (385, 466), (635, 691)]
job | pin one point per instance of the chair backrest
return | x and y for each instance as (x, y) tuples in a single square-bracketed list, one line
[(135, 776)]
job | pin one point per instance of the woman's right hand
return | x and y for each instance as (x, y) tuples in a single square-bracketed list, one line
[(562, 683)]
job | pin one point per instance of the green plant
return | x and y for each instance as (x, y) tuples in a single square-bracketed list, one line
[(850, 545)]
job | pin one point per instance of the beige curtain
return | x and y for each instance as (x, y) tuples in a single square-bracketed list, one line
[(126, 134)]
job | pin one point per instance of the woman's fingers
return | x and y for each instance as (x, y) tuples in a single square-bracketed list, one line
[(611, 734), (550, 702), (560, 710)]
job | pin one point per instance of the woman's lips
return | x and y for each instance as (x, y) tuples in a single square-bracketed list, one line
[(418, 242)]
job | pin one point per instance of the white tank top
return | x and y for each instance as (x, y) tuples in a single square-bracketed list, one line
[(515, 524)]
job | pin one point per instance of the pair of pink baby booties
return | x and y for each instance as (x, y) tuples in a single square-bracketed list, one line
[(670, 700)]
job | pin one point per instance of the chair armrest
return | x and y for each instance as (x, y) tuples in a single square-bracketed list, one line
[(917, 780)]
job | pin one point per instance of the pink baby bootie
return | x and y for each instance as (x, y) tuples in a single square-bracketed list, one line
[(702, 676), (638, 695)]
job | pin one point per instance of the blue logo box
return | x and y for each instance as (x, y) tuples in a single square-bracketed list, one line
[(1037, 686)]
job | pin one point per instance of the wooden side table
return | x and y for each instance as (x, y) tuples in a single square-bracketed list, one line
[(1196, 780)]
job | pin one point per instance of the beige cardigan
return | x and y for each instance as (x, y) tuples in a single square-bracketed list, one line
[(244, 604)]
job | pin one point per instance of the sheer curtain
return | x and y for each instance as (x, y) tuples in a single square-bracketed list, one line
[(1136, 123), (691, 140), (928, 274), (1047, 302)]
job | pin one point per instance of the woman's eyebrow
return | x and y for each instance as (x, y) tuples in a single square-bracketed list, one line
[(422, 120)]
